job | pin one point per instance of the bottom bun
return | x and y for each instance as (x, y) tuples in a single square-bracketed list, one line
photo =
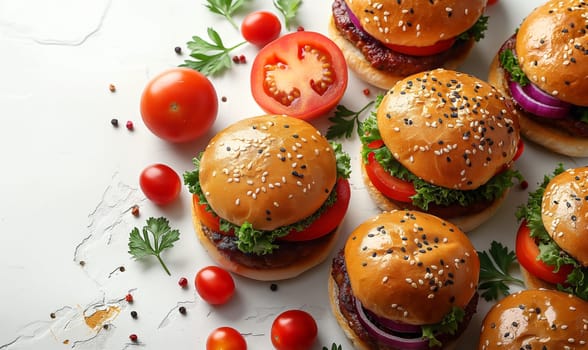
[(344, 324), (551, 138), (379, 78), (533, 282), (313, 258), (466, 223)]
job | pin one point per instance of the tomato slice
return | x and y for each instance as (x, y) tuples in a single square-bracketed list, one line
[(436, 48), (324, 224), (527, 252), (301, 74), (329, 220), (520, 149), (390, 186)]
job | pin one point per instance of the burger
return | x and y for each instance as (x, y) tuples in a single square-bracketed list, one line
[(442, 142), (552, 240), (269, 193), (544, 68), (536, 319), (387, 40), (404, 280)]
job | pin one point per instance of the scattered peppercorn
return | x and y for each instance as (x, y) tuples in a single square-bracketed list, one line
[(114, 122), (182, 310), (300, 28), (135, 210), (236, 59), (366, 92), (183, 282), (134, 314), (52, 315), (524, 184), (273, 287), (133, 337), (242, 59), (105, 326), (178, 50), (224, 98), (121, 269), (130, 125), (112, 88), (129, 298), (82, 263)]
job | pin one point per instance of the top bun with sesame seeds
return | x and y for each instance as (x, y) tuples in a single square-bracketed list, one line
[(536, 319), (404, 270), (269, 193)]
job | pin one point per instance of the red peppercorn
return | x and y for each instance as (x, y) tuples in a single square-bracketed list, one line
[(130, 125), (183, 282), (366, 92), (129, 298), (236, 59), (133, 337), (242, 59), (300, 28), (135, 210), (224, 98), (524, 184)]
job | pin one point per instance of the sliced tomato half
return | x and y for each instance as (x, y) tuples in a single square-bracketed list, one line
[(301, 74), (520, 149), (527, 251), (390, 186), (329, 220), (207, 218), (434, 49)]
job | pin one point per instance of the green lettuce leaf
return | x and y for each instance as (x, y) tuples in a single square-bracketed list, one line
[(448, 325), (509, 62)]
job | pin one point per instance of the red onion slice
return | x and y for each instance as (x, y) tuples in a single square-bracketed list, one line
[(537, 94), (393, 325), (387, 338), (533, 106), (353, 18)]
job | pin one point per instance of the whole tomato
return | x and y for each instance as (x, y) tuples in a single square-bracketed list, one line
[(160, 183), (294, 330), (225, 338), (215, 285), (179, 105)]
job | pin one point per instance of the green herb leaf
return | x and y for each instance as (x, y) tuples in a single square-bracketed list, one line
[(225, 8), (494, 271), (448, 325), (509, 62), (344, 121), (162, 237), (289, 9), (477, 31), (333, 347), (210, 57)]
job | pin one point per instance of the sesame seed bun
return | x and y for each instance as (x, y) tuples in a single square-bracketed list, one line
[(449, 128), (357, 62), (416, 22), (465, 222), (426, 249), (552, 49), (553, 139), (536, 319), (269, 171), (564, 211)]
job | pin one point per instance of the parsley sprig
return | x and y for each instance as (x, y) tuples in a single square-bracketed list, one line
[(225, 8), (344, 121), (333, 347), (210, 57), (289, 9), (494, 271), (163, 237)]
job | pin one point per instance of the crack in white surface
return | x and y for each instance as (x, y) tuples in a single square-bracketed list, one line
[(174, 312)]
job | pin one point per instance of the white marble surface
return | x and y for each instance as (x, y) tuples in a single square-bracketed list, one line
[(68, 177)]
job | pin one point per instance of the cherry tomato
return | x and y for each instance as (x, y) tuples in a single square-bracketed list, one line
[(225, 338), (301, 74), (390, 186), (215, 285), (294, 330), (160, 183), (179, 105), (436, 48), (527, 252), (261, 27)]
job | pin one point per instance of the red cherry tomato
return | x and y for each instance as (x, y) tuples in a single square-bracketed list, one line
[(301, 74), (215, 285), (261, 27), (390, 186), (179, 105), (225, 338), (294, 330), (436, 48), (527, 252), (160, 183)]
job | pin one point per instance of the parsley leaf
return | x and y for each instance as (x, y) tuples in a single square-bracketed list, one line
[(210, 57), (494, 271), (343, 127), (333, 347), (509, 62), (225, 8), (289, 9), (163, 238)]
